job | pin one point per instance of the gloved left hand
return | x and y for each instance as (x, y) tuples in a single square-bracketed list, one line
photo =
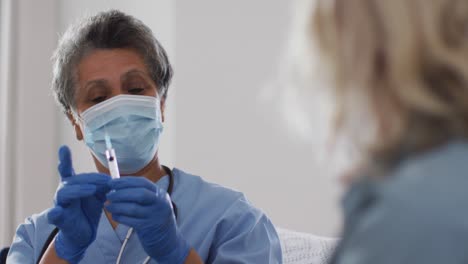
[(139, 203)]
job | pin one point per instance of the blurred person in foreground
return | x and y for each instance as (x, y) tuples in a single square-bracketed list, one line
[(397, 73)]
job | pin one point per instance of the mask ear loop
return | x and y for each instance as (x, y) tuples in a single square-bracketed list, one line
[(159, 110), (76, 119)]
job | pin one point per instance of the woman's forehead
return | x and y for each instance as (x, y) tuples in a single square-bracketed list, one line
[(110, 64)]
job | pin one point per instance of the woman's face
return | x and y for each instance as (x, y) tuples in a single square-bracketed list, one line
[(105, 73)]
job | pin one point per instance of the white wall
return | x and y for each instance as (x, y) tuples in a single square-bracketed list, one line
[(31, 117), (226, 52)]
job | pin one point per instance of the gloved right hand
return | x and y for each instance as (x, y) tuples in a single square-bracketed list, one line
[(78, 206)]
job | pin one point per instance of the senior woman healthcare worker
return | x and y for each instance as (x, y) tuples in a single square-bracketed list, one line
[(111, 76), (399, 78)]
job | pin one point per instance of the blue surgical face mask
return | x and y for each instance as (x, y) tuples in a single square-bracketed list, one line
[(134, 125)]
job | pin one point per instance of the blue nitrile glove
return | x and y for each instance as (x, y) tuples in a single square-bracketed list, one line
[(78, 206), (139, 203)]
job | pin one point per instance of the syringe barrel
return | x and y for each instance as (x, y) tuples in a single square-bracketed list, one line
[(112, 163)]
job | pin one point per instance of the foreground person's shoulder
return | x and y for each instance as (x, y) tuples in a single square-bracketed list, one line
[(417, 215)]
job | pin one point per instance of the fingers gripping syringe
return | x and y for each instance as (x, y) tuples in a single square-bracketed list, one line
[(111, 159)]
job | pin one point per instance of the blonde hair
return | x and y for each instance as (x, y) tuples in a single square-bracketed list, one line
[(408, 62)]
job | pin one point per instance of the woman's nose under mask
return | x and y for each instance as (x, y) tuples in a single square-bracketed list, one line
[(134, 125)]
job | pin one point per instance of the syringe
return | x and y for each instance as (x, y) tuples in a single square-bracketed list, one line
[(111, 159)]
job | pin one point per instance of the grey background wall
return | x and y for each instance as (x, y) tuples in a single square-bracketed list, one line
[(227, 52), (28, 116), (224, 53)]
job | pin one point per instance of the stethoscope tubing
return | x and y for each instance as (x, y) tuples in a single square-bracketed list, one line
[(130, 230)]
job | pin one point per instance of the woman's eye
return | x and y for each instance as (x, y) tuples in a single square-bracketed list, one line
[(98, 99), (136, 90)]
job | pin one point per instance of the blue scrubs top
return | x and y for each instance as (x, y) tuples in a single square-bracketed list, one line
[(219, 223)]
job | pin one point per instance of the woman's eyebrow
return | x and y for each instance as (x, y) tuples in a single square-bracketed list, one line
[(96, 83), (134, 72)]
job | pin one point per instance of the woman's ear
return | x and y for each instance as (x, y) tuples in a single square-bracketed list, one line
[(163, 109), (76, 126)]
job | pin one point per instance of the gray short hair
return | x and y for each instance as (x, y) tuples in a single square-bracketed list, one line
[(106, 30)]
